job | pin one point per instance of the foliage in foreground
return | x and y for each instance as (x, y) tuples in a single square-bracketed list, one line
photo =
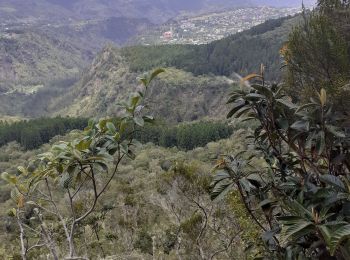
[(304, 192)]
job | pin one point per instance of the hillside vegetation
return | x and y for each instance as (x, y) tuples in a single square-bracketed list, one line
[(143, 216)]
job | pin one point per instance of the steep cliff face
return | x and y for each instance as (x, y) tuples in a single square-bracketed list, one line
[(175, 96)]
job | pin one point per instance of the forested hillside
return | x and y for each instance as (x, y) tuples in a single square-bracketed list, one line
[(190, 91), (34, 133)]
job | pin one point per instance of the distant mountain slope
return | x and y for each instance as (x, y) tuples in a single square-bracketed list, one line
[(47, 59), (155, 10), (208, 27), (115, 29), (31, 10), (95, 34), (30, 58), (59, 10), (35, 61)]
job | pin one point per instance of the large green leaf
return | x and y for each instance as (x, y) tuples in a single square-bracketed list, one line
[(233, 98), (338, 237), (326, 233), (242, 111), (135, 100), (221, 189), (155, 73), (139, 121), (321, 142), (296, 230), (111, 127), (254, 97), (147, 80), (303, 107), (286, 103), (237, 106), (220, 176), (83, 145), (299, 209), (335, 131), (333, 181), (9, 178), (302, 126), (263, 90)]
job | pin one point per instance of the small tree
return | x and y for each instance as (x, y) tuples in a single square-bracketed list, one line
[(316, 56), (79, 172)]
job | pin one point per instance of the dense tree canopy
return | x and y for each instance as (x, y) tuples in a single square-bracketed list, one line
[(33, 133), (185, 136)]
